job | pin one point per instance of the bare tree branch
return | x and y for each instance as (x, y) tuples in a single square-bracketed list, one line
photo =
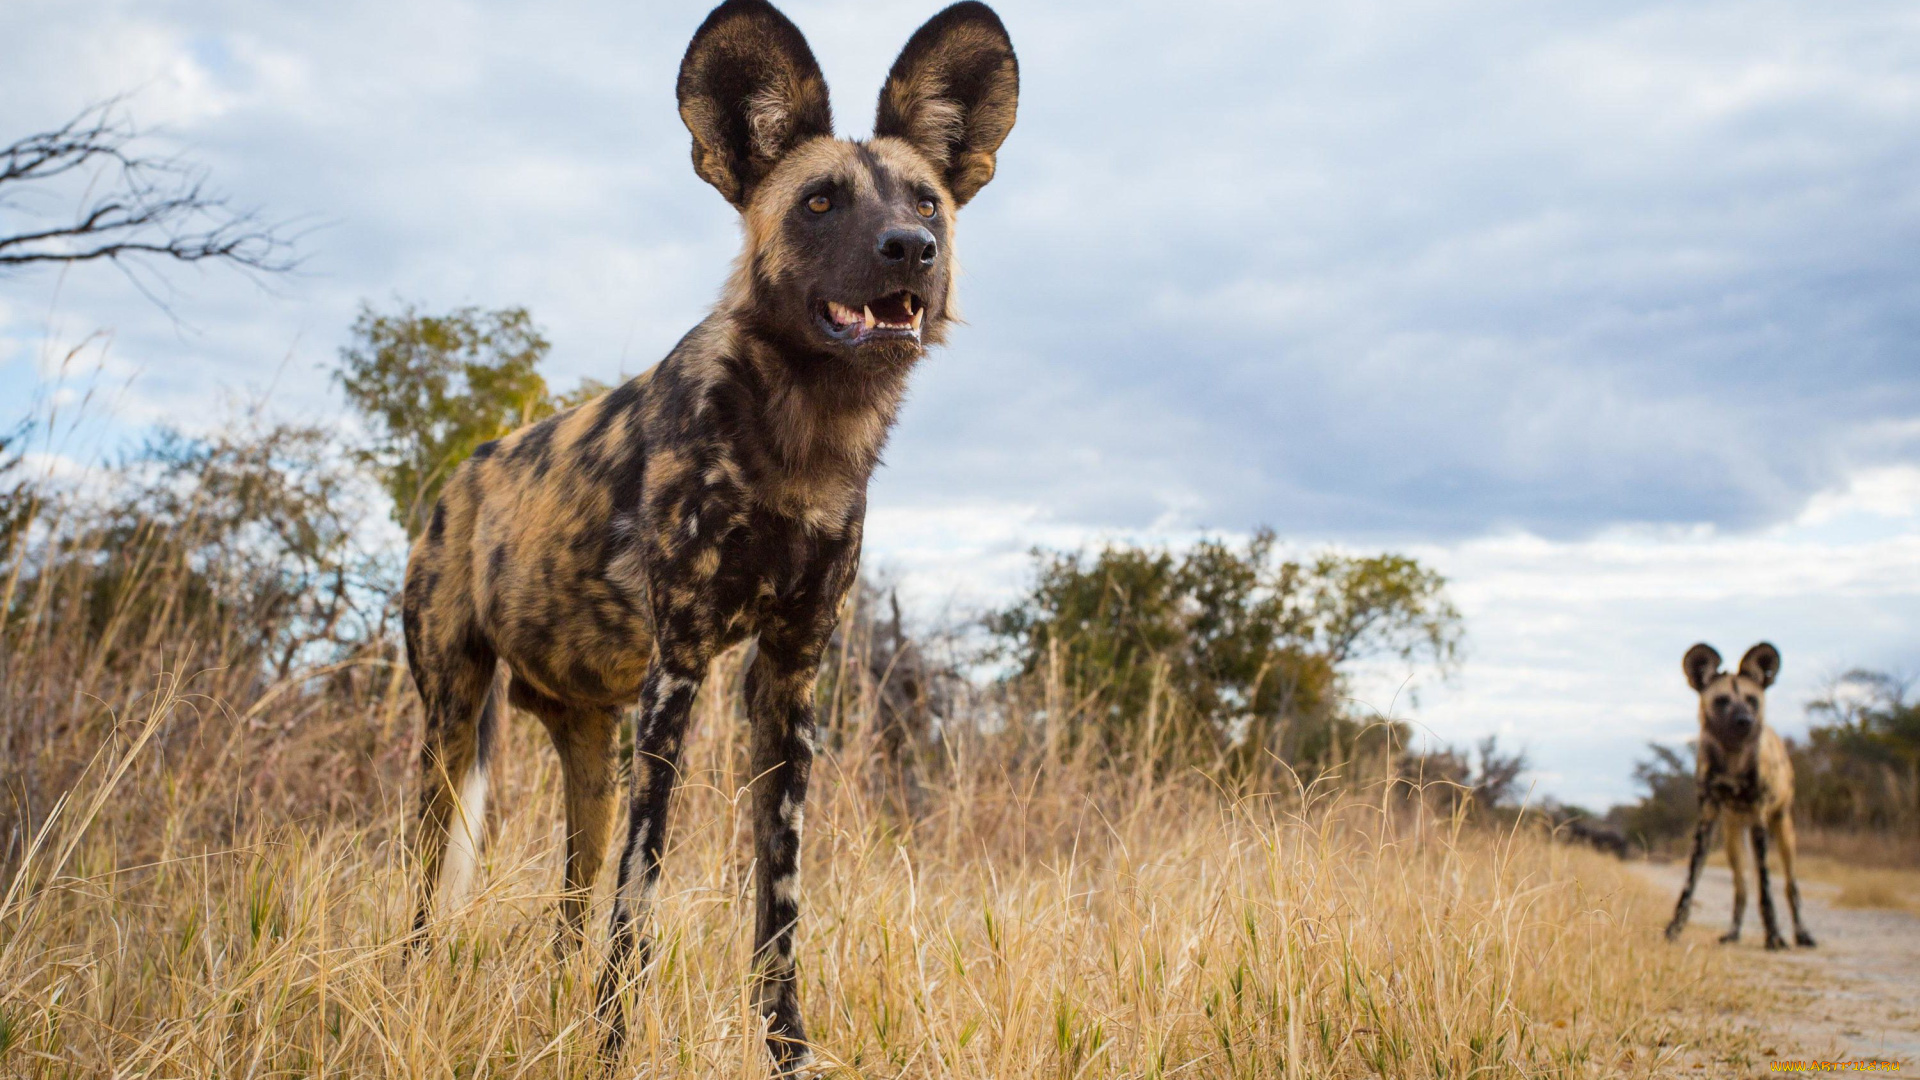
[(153, 207)]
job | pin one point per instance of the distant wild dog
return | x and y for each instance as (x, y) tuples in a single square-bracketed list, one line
[(1746, 780), (607, 554)]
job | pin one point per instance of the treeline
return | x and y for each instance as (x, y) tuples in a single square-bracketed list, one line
[(1856, 771), (1222, 655), (248, 560)]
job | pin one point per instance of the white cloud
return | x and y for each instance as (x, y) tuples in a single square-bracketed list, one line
[(1891, 491)]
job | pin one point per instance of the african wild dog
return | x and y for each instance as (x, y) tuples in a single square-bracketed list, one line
[(606, 554), (1745, 777)]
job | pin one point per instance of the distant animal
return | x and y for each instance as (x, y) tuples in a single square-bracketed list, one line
[(1745, 781), (1600, 837), (605, 555)]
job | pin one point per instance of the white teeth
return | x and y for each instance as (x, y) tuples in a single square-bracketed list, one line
[(846, 318)]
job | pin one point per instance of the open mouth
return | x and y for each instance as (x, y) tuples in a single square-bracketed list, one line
[(895, 316)]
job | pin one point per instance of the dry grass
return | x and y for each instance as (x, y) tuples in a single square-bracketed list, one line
[(1885, 848), (207, 878), (1888, 889), (1051, 922)]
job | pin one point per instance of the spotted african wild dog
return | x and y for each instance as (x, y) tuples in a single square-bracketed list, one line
[(606, 554), (1745, 778)]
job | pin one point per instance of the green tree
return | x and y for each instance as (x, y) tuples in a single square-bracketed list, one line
[(17, 495), (1381, 605), (1859, 767), (434, 387), (238, 544), (1228, 650), (1672, 802)]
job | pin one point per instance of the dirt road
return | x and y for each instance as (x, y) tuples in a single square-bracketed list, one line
[(1855, 997)]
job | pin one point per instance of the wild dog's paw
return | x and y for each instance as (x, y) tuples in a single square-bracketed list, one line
[(1775, 942), (802, 1065), (1804, 939), (1730, 937)]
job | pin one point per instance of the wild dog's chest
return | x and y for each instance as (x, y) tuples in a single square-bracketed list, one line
[(1741, 790), (769, 571), (1735, 781)]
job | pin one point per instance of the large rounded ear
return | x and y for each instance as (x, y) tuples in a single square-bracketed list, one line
[(1701, 664), (1761, 664), (952, 94), (749, 91)]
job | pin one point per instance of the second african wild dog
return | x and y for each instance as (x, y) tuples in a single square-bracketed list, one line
[(605, 555), (1746, 780)]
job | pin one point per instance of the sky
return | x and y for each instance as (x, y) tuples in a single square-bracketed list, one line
[(1605, 309)]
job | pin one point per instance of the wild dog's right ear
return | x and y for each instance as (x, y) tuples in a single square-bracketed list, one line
[(952, 94), (1701, 664), (749, 92)]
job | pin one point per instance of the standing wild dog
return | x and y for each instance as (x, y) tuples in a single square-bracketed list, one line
[(606, 554), (1744, 777)]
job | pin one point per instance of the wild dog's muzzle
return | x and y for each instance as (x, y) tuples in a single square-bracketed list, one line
[(896, 316)]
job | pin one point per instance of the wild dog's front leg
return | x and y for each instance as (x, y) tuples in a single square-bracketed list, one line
[(780, 692), (1767, 916), (780, 688), (666, 699), (1702, 833)]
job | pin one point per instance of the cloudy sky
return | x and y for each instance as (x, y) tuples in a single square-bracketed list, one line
[(1608, 309)]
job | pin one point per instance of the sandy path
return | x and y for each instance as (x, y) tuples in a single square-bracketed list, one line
[(1856, 996)]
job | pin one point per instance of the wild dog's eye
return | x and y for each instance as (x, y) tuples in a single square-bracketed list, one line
[(1752, 702), (927, 207), (819, 204)]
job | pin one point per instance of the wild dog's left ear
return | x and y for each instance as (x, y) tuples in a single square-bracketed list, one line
[(952, 94), (1761, 664), (749, 92)]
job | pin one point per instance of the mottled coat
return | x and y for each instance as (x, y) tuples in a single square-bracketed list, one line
[(605, 555), (1745, 780)]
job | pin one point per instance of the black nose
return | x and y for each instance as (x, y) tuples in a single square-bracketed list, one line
[(915, 245)]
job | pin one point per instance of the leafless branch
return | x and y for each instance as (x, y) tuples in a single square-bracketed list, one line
[(130, 205)]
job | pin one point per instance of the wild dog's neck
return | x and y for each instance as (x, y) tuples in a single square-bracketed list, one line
[(1726, 753), (824, 417)]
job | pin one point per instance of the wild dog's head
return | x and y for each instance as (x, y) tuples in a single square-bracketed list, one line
[(849, 245), (1733, 704)]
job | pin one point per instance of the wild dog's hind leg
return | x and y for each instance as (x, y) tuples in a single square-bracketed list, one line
[(780, 692), (583, 738), (1737, 861), (1702, 832), (1782, 825), (1767, 917), (456, 688)]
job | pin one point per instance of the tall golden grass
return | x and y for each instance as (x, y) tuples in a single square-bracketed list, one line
[(207, 877)]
